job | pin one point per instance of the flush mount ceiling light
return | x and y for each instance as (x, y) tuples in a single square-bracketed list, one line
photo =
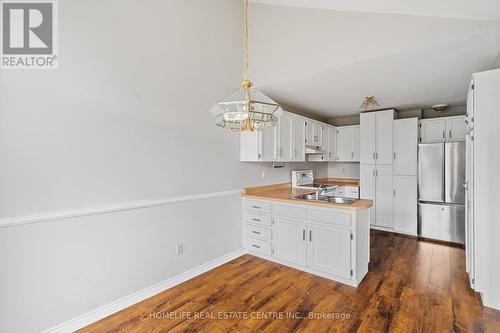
[(369, 102), (246, 108)]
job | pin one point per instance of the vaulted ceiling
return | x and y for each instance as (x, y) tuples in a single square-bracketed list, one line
[(409, 54)]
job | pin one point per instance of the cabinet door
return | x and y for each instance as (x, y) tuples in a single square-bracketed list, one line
[(367, 187), (433, 130), (332, 143), (285, 130), (405, 147), (405, 204), (384, 152), (343, 143), (325, 140), (309, 132), (455, 129), (268, 144), (367, 138), (318, 134), (329, 249), (355, 144), (249, 146), (384, 190), (290, 241), (299, 132)]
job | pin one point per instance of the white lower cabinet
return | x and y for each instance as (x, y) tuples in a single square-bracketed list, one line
[(325, 243), (291, 240), (405, 204), (383, 196), (329, 242), (377, 184)]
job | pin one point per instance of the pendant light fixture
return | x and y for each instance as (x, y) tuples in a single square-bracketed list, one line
[(369, 102), (246, 109)]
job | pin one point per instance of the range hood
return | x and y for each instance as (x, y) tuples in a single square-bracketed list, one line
[(313, 150)]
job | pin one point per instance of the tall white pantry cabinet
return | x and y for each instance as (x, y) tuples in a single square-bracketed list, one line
[(376, 169), (388, 170)]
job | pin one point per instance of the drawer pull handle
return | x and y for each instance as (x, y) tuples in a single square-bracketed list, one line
[(256, 220), (256, 232), (256, 246), (256, 207)]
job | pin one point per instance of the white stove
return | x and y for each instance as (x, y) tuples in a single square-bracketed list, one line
[(305, 179)]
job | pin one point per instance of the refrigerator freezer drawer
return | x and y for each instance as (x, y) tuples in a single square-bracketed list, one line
[(442, 222)]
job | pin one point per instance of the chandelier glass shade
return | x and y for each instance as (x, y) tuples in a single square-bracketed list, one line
[(246, 108)]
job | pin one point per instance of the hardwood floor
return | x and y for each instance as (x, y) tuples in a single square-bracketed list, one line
[(412, 286)]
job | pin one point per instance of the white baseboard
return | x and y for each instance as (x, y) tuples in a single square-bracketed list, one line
[(332, 277), (376, 227), (387, 229), (107, 310)]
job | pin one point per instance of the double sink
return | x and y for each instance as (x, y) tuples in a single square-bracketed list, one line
[(324, 198)]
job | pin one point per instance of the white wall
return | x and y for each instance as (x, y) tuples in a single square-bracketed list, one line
[(124, 119)]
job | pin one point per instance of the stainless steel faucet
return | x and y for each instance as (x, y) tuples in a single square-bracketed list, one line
[(319, 191)]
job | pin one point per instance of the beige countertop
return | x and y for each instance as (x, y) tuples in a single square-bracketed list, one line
[(285, 192)]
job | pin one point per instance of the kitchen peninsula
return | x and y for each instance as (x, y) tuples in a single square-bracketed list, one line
[(323, 238)]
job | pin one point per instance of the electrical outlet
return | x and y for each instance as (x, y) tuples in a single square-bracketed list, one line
[(263, 174), (180, 249)]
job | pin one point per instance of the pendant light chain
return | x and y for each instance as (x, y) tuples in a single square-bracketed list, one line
[(246, 109), (245, 41)]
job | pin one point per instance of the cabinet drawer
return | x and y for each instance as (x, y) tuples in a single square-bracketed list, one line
[(295, 212), (258, 245), (265, 220), (258, 206), (258, 232), (330, 217)]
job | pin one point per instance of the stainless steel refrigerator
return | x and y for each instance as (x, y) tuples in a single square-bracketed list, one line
[(441, 195)]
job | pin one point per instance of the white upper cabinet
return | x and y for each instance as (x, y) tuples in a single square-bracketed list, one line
[(356, 144), (405, 147), (309, 132), (287, 141), (314, 133), (384, 138), (268, 144), (259, 146), (285, 138), (318, 134), (348, 143), (368, 125), (299, 132), (433, 130), (455, 128), (442, 129), (332, 143), (376, 137)]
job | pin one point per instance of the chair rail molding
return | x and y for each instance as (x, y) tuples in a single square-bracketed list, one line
[(10, 222)]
